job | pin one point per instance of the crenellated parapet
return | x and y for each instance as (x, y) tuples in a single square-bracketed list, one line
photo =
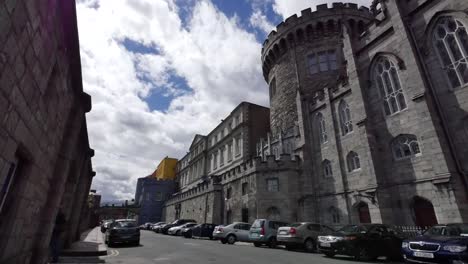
[(259, 165), (312, 26)]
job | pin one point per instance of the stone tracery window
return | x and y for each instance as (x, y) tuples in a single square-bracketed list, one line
[(405, 146), (345, 118), (327, 169), (321, 127), (450, 39), (353, 161), (387, 80)]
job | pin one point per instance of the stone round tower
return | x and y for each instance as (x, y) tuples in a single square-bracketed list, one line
[(305, 54)]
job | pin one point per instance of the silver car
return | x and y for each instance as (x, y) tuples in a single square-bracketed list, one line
[(236, 231), (302, 234)]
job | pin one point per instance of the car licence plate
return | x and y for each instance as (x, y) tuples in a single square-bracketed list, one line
[(254, 235), (283, 232), (423, 255), (325, 244)]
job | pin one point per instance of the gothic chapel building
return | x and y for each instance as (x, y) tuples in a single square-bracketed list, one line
[(375, 104)]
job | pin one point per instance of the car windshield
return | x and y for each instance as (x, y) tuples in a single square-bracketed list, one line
[(125, 224), (258, 223), (295, 224), (452, 230), (352, 229)]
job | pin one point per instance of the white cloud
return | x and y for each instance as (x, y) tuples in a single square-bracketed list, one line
[(219, 61), (287, 8), (259, 20)]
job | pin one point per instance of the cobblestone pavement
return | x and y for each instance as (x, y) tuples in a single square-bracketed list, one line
[(156, 248)]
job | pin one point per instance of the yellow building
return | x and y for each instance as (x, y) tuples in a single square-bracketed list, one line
[(166, 169)]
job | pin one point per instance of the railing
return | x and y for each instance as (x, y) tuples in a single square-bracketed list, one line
[(412, 231)]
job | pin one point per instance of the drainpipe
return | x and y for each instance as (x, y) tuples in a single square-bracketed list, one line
[(438, 105)]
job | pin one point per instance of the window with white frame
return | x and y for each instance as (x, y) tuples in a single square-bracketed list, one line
[(353, 161), (238, 145), (327, 168), (229, 148), (345, 118), (215, 160), (272, 185), (387, 80), (321, 128), (405, 146), (450, 39), (221, 156)]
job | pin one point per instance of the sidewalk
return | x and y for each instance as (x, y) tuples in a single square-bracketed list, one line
[(91, 243)]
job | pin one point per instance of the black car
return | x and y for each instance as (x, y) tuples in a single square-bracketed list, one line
[(201, 230), (177, 222), (123, 231), (439, 244), (364, 242)]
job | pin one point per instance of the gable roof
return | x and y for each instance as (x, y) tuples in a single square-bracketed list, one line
[(196, 139)]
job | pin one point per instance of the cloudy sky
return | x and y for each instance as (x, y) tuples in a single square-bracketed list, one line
[(160, 71)]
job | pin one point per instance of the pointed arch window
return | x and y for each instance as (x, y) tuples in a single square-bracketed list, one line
[(334, 215), (345, 118), (387, 80), (353, 161), (321, 127), (450, 39), (405, 146), (327, 169)]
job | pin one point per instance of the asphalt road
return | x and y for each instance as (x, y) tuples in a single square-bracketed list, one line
[(155, 248)]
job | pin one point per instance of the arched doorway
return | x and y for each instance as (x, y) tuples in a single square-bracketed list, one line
[(424, 212), (273, 214), (363, 212)]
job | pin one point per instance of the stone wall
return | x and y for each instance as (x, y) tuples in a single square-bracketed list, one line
[(44, 149)]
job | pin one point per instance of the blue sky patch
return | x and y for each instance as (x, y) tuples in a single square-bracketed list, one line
[(138, 47)]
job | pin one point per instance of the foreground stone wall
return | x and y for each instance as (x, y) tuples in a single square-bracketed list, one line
[(44, 149)]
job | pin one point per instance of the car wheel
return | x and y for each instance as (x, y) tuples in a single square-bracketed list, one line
[(329, 254), (363, 253), (257, 244), (231, 239), (137, 243), (272, 242), (224, 241), (110, 243), (177, 233), (309, 245), (211, 237)]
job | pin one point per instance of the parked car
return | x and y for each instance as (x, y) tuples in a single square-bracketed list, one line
[(177, 230), (123, 231), (303, 235), (364, 242), (236, 231), (158, 228), (263, 231), (439, 244), (152, 226), (202, 230), (177, 222), (105, 225), (147, 225)]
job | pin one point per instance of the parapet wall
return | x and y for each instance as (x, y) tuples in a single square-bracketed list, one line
[(325, 21)]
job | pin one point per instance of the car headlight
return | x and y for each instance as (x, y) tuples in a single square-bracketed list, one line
[(404, 245), (455, 248)]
